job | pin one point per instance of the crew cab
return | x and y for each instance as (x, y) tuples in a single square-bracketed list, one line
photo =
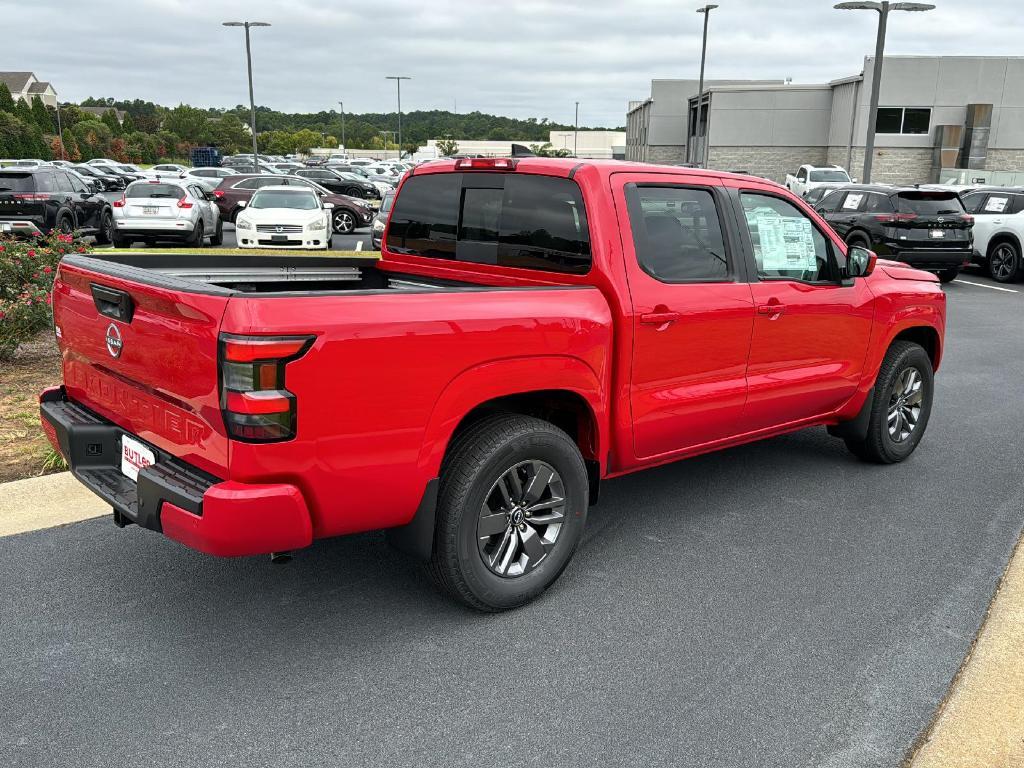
[(808, 177), (534, 328)]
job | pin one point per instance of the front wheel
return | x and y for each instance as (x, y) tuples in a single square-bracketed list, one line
[(344, 222), (900, 407), (512, 505), (948, 275), (1004, 262)]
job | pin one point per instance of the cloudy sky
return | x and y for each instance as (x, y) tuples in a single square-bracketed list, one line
[(531, 58)]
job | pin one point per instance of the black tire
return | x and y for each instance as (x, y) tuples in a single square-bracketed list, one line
[(880, 446), (948, 275), (1004, 262), (105, 234), (120, 242), (343, 221), (217, 238), (65, 224), (195, 240), (477, 460), (857, 239)]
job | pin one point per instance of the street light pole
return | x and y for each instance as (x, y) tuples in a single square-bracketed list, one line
[(60, 132), (706, 10), (398, 81), (342, 105), (882, 8), (576, 133), (248, 63)]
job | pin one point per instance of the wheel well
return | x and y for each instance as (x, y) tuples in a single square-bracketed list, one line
[(1003, 237), (858, 236), (568, 411), (925, 337)]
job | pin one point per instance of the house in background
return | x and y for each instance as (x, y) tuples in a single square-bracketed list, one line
[(99, 112), (26, 86)]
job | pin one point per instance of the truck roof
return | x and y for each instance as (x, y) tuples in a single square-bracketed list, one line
[(567, 167)]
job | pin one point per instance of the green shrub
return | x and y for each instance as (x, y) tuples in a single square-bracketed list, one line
[(27, 269)]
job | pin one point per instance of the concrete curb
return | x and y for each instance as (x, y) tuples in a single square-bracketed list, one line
[(45, 502)]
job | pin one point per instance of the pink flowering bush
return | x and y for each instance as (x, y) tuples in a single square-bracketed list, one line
[(27, 269)]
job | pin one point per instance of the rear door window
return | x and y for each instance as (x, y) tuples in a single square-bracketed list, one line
[(677, 234), (510, 220), (830, 202)]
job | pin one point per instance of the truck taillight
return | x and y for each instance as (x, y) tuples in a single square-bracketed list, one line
[(256, 406)]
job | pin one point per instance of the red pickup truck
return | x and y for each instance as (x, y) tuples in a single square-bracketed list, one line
[(534, 327)]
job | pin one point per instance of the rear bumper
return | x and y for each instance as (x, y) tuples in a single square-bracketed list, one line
[(932, 258), (172, 497), (19, 227)]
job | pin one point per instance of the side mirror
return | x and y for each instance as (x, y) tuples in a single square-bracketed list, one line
[(853, 180), (860, 262), (328, 206), (242, 203)]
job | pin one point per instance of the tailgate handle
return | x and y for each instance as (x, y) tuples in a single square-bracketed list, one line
[(113, 303)]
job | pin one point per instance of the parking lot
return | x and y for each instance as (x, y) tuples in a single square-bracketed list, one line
[(776, 604)]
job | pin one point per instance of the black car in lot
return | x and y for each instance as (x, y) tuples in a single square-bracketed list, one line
[(40, 199), (340, 183), (925, 228), (108, 181)]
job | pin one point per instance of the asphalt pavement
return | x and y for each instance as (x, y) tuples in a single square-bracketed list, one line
[(778, 604)]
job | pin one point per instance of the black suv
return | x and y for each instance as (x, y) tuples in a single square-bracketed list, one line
[(40, 199), (326, 177), (927, 229)]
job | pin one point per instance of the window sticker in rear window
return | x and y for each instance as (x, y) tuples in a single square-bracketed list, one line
[(996, 204), (852, 202)]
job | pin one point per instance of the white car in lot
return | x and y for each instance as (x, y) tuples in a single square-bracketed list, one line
[(166, 209), (208, 177), (284, 217), (998, 230), (810, 177)]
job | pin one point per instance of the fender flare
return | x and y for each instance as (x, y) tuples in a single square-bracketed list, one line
[(512, 376)]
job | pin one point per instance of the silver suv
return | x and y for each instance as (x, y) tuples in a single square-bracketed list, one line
[(166, 209)]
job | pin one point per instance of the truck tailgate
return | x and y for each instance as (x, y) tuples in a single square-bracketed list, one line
[(144, 356)]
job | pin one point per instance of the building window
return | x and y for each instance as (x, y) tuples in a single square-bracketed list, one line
[(906, 120)]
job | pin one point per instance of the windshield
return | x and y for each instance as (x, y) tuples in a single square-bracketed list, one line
[(85, 170), (149, 189), (930, 205), (297, 200), (836, 175)]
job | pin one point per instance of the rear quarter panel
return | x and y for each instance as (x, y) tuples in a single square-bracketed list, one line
[(390, 376)]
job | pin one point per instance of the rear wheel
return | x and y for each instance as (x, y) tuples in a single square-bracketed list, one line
[(196, 238), (218, 234), (65, 224), (119, 241), (858, 240), (1004, 262), (344, 221), (105, 234), (948, 275), (900, 407), (512, 505)]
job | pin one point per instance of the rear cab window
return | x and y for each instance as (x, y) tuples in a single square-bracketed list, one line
[(519, 220)]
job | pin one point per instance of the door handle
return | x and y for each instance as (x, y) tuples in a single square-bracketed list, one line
[(659, 318), (775, 310)]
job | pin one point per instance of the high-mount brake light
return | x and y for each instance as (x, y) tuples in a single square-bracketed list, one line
[(255, 404), (485, 164)]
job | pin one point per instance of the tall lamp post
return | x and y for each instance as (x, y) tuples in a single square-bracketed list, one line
[(385, 134), (60, 132), (882, 8), (398, 81), (706, 10), (576, 133), (248, 63), (342, 105)]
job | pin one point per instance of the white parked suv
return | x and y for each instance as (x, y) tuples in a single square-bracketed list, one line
[(284, 217), (810, 177), (166, 209), (998, 230)]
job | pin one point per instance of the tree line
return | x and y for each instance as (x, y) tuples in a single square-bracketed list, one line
[(152, 133)]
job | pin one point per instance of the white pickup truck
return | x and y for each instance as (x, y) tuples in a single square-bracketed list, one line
[(810, 177)]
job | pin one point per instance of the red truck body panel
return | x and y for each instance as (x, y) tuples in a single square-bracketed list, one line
[(660, 371)]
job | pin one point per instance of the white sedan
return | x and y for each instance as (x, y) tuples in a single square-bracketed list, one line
[(284, 217)]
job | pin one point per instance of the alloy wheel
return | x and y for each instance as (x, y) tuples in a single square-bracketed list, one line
[(905, 401), (344, 222), (521, 518), (1003, 263)]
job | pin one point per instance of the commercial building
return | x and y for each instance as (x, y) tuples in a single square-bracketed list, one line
[(596, 145), (24, 86), (937, 114)]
